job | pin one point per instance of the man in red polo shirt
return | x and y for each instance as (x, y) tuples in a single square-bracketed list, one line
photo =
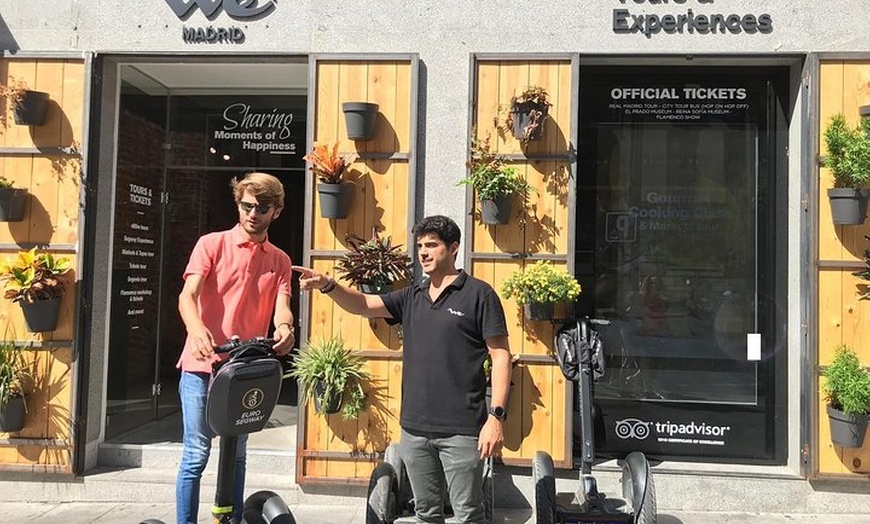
[(236, 282)]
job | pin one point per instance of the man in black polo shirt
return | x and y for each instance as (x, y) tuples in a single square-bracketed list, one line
[(450, 323)]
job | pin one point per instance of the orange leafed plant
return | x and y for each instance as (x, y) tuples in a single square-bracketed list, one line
[(327, 164)]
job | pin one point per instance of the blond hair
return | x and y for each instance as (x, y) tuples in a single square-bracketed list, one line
[(264, 186)]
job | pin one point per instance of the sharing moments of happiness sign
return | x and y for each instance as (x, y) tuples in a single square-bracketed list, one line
[(681, 18)]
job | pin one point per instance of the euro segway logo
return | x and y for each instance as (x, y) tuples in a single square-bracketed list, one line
[(238, 9), (252, 399), (632, 428)]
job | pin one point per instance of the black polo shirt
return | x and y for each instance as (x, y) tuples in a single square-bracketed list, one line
[(443, 385)]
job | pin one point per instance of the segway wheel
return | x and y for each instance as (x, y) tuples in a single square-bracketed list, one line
[(152, 521), (544, 475), (404, 496), (266, 507), (382, 499), (638, 488)]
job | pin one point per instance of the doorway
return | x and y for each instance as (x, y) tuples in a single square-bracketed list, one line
[(677, 226), (181, 141)]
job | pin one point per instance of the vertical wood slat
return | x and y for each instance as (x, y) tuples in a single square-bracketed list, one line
[(51, 218), (380, 200), (842, 317)]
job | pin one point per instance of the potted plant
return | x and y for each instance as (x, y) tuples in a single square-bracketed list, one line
[(36, 281), (848, 158), (374, 265), (847, 392), (360, 118), (527, 113), (538, 287), (495, 183), (329, 167), (12, 201), (13, 373), (332, 376), (28, 107)]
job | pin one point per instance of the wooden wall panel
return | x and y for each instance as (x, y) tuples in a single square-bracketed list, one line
[(843, 318), (331, 449), (540, 397), (52, 218)]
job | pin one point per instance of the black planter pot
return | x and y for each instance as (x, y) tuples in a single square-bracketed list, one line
[(521, 116), (333, 403), (12, 415), (372, 289), (30, 110), (360, 119), (335, 199), (848, 205), (497, 210), (539, 310), (41, 316), (847, 430), (13, 201)]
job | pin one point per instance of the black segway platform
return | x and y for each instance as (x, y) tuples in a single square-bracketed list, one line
[(391, 501), (580, 355), (242, 394)]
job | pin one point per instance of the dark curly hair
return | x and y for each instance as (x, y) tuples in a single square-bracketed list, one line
[(442, 227)]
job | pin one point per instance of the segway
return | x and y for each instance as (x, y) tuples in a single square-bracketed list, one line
[(580, 355), (242, 393), (390, 498)]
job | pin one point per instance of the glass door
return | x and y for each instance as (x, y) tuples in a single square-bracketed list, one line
[(674, 231)]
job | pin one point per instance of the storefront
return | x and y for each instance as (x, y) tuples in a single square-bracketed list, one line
[(677, 178)]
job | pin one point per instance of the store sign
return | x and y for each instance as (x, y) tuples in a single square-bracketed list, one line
[(628, 21), (686, 103), (235, 9), (247, 128)]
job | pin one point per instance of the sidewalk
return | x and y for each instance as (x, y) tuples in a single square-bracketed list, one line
[(103, 513)]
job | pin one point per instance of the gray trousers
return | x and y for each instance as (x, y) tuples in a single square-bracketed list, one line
[(432, 462)]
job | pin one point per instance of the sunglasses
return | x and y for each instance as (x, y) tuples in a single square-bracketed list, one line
[(262, 209)]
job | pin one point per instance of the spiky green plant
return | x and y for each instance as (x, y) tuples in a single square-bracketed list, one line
[(847, 383), (13, 370), (848, 152), (337, 370)]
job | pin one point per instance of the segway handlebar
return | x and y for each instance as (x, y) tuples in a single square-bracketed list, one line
[(237, 343)]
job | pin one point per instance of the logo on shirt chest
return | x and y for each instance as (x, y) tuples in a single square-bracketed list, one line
[(455, 312)]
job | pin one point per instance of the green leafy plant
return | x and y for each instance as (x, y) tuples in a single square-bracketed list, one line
[(540, 282), (13, 370), (848, 152), (32, 276), (327, 165), (5, 183), (533, 101), (490, 176), (375, 262), (326, 368), (847, 383)]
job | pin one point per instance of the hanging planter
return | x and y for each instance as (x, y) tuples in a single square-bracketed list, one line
[(30, 108), (335, 199), (526, 115), (13, 202), (41, 315), (12, 415), (360, 118), (847, 430), (539, 310), (496, 210), (326, 405), (848, 205), (374, 265)]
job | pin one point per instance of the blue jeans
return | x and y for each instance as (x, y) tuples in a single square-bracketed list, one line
[(432, 461), (193, 389)]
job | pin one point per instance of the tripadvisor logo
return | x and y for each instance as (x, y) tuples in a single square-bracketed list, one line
[(235, 9), (640, 430)]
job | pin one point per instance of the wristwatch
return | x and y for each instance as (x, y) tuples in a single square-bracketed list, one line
[(498, 412)]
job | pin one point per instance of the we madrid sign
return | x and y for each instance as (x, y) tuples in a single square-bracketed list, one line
[(211, 9)]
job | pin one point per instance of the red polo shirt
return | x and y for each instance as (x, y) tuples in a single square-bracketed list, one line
[(240, 284)]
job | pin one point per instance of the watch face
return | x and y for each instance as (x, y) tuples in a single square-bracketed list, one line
[(498, 412)]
